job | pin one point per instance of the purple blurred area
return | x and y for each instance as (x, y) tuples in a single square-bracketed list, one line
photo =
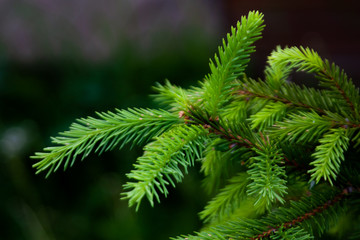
[(46, 29), (94, 30)]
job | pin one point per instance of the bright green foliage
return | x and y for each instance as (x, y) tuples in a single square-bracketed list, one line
[(290, 94), (228, 199), (299, 219), (267, 116), (215, 166), (302, 127), (330, 75), (90, 134), (279, 159), (175, 97), (268, 184), (159, 166), (329, 155), (231, 62), (237, 111), (276, 74), (295, 233)]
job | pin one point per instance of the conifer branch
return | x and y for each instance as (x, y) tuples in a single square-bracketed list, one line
[(231, 62), (222, 122), (159, 166), (310, 213), (314, 215), (237, 111), (219, 163), (329, 155), (296, 233), (290, 94), (301, 127), (177, 98), (337, 79), (268, 184), (267, 116), (276, 75), (305, 59), (214, 166), (241, 135), (102, 134), (227, 201)]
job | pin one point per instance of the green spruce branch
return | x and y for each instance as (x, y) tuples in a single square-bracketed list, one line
[(231, 62), (135, 126), (162, 162), (279, 159)]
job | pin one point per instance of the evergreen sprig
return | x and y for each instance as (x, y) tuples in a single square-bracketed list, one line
[(301, 127), (330, 75), (267, 116), (279, 159), (215, 165), (308, 217), (267, 176), (172, 96), (161, 162), (290, 94), (228, 200), (87, 135), (329, 155), (231, 62)]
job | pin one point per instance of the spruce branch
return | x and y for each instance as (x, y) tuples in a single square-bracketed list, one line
[(177, 98), (290, 94), (330, 75), (296, 233), (221, 161), (335, 78), (301, 127), (267, 185), (214, 166), (102, 134), (161, 162), (238, 134), (227, 201), (312, 214), (310, 133), (267, 116), (329, 155), (218, 163), (231, 62), (237, 111), (276, 75)]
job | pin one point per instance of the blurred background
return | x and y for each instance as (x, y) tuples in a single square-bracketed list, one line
[(62, 60)]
